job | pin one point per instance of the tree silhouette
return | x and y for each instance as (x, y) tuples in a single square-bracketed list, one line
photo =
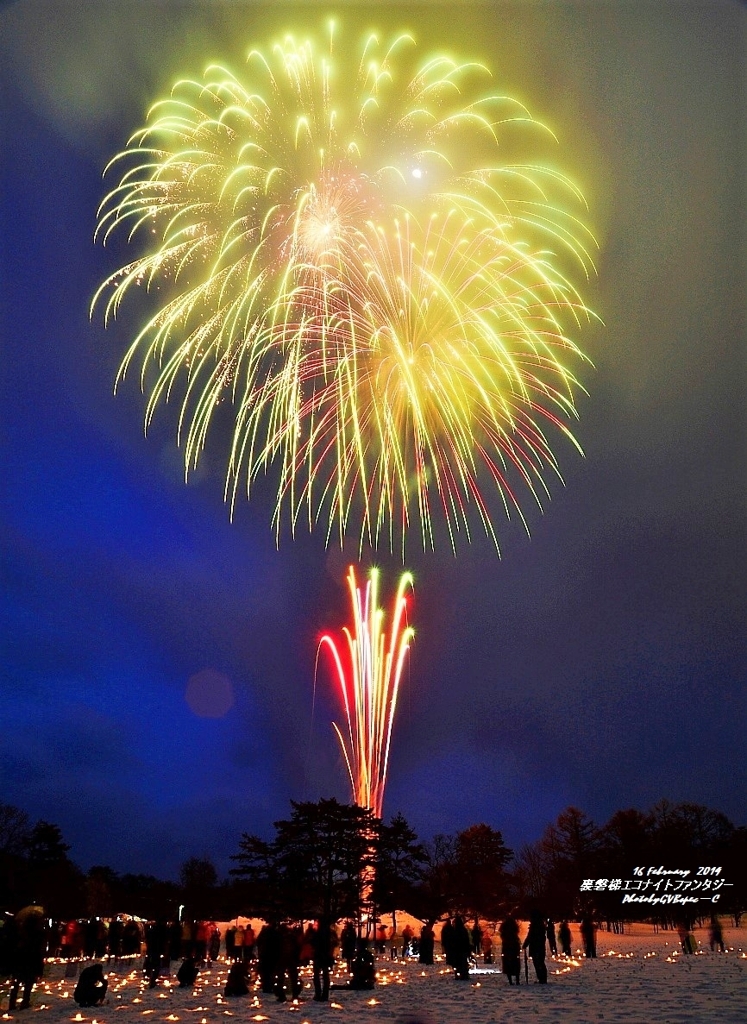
[(45, 845), (198, 879), (482, 880), (15, 830), (555, 866), (400, 861), (316, 866), (198, 873)]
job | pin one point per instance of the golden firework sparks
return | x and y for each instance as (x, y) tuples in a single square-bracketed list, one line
[(342, 255)]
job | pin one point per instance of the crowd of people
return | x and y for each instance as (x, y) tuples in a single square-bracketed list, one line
[(462, 946), (123, 936), (29, 937), (281, 949), (273, 956)]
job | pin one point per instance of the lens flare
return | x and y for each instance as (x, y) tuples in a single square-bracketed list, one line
[(369, 669), (333, 245)]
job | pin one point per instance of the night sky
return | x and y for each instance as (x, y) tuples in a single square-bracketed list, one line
[(158, 660)]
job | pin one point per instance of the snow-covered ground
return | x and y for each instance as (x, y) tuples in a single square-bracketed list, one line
[(637, 978)]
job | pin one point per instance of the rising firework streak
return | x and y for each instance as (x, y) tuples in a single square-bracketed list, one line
[(368, 667)]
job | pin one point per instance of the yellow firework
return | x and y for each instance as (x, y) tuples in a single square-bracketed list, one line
[(340, 253)]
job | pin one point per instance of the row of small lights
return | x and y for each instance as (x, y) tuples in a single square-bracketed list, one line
[(136, 976), (384, 977)]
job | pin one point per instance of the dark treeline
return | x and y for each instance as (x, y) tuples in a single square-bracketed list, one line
[(554, 873), (335, 860)]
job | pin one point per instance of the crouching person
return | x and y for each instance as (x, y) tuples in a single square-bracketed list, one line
[(187, 973), (363, 969), (236, 983), (91, 987)]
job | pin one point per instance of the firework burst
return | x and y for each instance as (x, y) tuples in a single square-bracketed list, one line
[(369, 671), (340, 253)]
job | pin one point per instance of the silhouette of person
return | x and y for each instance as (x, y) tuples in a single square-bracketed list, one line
[(348, 943), (363, 968), (214, 944), (447, 942), (268, 954), (564, 935), (236, 983), (321, 959), (187, 973), (28, 946), (462, 944), (716, 935), (230, 945), (116, 928), (239, 936), (286, 977), (510, 949), (91, 987), (551, 940), (131, 939), (476, 937), (250, 942), (427, 940), (535, 943), (687, 939), (156, 943), (589, 936)]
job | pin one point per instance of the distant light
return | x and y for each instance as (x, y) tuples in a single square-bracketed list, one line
[(417, 173)]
